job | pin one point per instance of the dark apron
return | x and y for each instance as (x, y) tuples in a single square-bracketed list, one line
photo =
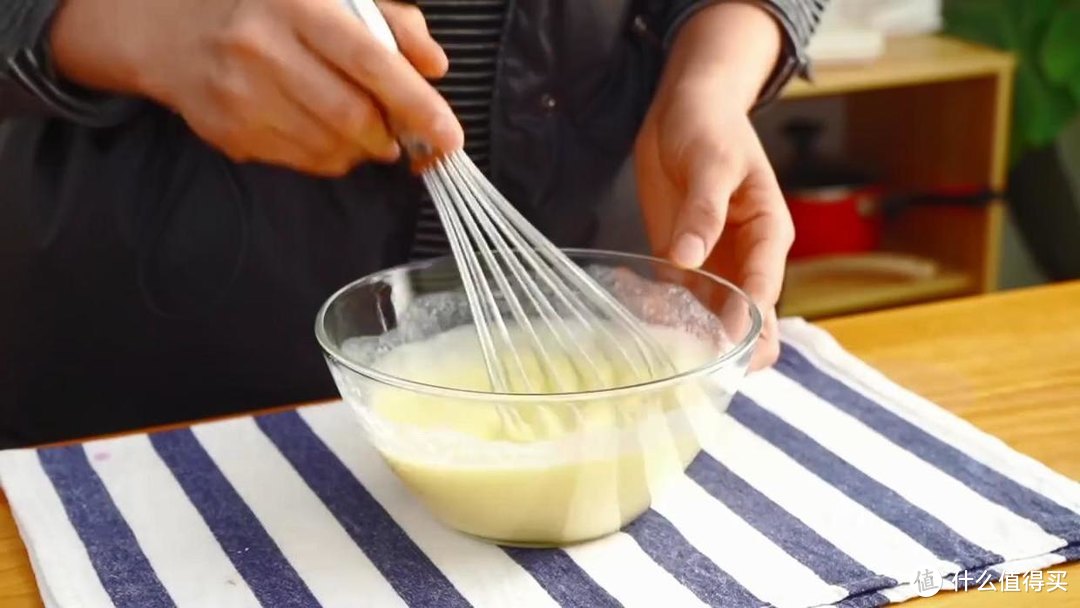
[(145, 279)]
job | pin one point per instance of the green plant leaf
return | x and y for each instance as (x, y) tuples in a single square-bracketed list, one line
[(1059, 54), (1047, 87), (1031, 19), (1032, 15), (1042, 109), (984, 21)]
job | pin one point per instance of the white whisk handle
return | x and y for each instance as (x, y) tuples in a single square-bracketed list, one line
[(369, 13), (373, 18)]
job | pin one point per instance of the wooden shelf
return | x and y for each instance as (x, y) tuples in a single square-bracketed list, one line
[(932, 113), (907, 61), (841, 293)]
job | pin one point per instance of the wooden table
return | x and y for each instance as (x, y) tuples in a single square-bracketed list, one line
[(1009, 363)]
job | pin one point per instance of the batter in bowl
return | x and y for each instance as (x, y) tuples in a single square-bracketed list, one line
[(534, 472)]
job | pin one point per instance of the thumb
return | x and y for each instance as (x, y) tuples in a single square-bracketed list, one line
[(710, 182)]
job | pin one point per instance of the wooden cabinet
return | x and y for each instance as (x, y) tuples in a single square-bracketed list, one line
[(932, 112)]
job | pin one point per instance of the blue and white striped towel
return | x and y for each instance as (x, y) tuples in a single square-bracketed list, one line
[(828, 484)]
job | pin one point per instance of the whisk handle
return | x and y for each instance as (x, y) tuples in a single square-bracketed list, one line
[(373, 18), (369, 13)]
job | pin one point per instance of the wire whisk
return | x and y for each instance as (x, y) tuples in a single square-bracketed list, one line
[(543, 323), (568, 332)]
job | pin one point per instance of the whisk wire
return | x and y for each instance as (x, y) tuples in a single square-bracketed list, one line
[(472, 281), (563, 333), (475, 215), (534, 241), (464, 206), (502, 258), (497, 233)]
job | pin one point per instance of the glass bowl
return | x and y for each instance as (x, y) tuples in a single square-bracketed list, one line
[(533, 469)]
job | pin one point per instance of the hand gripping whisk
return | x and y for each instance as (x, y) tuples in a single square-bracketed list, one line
[(543, 324)]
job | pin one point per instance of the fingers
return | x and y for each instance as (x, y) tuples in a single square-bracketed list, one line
[(410, 102), (255, 119), (304, 84), (278, 148), (273, 146), (765, 239), (340, 107), (723, 192), (291, 122), (767, 349), (710, 180), (412, 35), (266, 125)]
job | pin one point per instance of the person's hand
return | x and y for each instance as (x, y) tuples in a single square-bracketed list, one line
[(706, 186), (298, 83)]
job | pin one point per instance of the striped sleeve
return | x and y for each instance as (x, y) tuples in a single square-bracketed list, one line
[(798, 20), (29, 84)]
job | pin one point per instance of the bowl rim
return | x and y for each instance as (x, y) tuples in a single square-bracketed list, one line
[(747, 342)]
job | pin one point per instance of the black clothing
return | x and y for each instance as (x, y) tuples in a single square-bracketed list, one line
[(144, 278), (469, 32)]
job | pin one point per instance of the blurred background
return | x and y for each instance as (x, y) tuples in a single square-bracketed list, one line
[(935, 154)]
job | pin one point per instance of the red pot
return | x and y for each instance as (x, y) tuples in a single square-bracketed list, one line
[(836, 207), (835, 220)]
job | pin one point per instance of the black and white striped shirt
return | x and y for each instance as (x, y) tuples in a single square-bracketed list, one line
[(469, 32)]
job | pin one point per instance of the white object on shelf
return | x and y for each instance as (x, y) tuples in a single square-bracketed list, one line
[(854, 31), (845, 45), (902, 17), (841, 39)]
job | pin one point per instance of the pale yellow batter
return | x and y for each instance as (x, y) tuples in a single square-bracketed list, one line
[(549, 472)]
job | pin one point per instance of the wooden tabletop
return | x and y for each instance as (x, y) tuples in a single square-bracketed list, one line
[(1009, 363)]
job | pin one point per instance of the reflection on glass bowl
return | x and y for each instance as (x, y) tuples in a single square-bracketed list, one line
[(548, 466)]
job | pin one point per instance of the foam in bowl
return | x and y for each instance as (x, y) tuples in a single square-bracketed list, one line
[(535, 472)]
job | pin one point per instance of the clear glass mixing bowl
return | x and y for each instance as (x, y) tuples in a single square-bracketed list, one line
[(532, 469)]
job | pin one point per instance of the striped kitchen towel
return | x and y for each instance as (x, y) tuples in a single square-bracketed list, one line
[(826, 484)]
